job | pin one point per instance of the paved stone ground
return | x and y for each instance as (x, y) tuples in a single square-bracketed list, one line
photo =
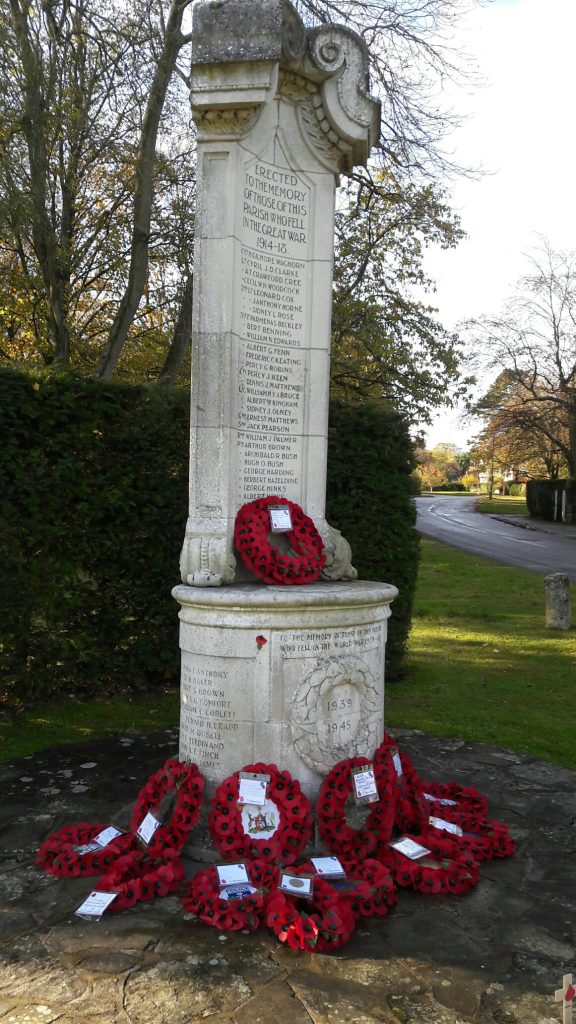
[(494, 955)]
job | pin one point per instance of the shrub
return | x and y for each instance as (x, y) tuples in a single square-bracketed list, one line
[(516, 490), (449, 487), (93, 504), (370, 461)]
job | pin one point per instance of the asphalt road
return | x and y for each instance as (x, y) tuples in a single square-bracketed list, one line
[(454, 521)]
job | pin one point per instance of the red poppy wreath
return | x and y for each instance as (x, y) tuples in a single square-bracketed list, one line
[(411, 811), (72, 851), (277, 831), (483, 841), (187, 784), (339, 836), (304, 561), (368, 888), (320, 924), (462, 804), (142, 876), (205, 898), (441, 871)]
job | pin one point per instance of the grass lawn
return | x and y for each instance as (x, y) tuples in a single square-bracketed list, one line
[(504, 504), (481, 664), (74, 720)]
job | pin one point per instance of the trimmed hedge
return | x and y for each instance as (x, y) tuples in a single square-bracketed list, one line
[(541, 502), (516, 490), (93, 504), (370, 462)]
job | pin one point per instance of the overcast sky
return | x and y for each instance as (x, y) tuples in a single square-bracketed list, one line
[(520, 128)]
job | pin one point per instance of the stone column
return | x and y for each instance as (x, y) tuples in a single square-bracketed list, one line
[(279, 111), (292, 675)]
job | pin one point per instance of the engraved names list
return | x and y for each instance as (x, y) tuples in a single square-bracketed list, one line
[(270, 327)]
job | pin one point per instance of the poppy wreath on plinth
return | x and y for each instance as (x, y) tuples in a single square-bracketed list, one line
[(302, 564), (187, 784), (142, 876), (411, 808), (203, 898), (339, 836), (61, 854), (317, 925), (277, 831), (445, 871), (467, 801), (368, 888)]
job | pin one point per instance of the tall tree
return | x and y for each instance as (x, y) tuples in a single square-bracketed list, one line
[(534, 342), (387, 342)]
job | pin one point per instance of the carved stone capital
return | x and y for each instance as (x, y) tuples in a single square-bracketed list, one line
[(338, 554), (206, 561)]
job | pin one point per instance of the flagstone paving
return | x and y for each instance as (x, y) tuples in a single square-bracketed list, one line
[(496, 954)]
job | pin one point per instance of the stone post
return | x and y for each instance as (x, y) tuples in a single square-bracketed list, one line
[(294, 674), (558, 604)]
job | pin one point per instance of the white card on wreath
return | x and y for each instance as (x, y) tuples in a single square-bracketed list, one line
[(232, 874), (328, 867), (410, 849), (252, 789), (107, 835), (280, 519), (147, 827), (237, 892), (365, 789), (446, 826), (95, 904), (297, 885), (87, 848), (397, 761), (440, 800)]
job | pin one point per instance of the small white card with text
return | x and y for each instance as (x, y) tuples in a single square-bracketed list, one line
[(365, 789), (328, 867), (107, 835), (95, 904), (440, 800), (446, 826), (147, 828), (297, 885), (232, 874), (410, 849), (252, 789), (280, 519)]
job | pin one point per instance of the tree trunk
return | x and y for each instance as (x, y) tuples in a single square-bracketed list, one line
[(139, 246), (181, 339)]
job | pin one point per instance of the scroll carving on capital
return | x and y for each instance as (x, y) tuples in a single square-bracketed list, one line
[(207, 562), (338, 565), (342, 56)]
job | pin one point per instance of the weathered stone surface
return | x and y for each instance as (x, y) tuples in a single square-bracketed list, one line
[(494, 956), (180, 991)]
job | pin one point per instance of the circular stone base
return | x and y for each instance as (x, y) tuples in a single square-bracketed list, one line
[(292, 676)]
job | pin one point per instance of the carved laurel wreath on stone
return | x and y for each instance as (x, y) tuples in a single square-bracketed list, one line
[(308, 720)]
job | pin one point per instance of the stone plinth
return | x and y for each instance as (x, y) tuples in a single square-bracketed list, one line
[(288, 675)]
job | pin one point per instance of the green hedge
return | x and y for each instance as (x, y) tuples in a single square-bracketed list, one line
[(93, 504), (516, 490), (541, 501), (370, 462)]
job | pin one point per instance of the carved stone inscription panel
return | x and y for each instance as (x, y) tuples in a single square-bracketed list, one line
[(270, 326), (213, 713)]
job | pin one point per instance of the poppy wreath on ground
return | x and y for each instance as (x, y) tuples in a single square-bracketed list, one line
[(411, 808), (142, 876), (277, 832), (187, 784), (318, 925), (59, 854), (339, 836), (202, 898), (371, 891), (487, 839), (304, 562), (468, 801), (446, 871)]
